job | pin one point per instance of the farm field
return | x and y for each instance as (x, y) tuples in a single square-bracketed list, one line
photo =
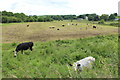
[(50, 59), (54, 49), (40, 31)]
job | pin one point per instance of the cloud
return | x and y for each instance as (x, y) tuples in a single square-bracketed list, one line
[(94, 6), (57, 7), (119, 8)]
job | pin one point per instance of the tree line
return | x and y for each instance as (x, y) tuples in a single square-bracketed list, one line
[(10, 17)]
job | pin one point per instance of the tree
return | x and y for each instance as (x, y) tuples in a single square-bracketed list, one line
[(90, 18), (9, 17), (93, 17), (57, 17), (96, 18), (115, 14), (48, 19), (40, 19), (104, 16), (35, 18), (112, 17), (29, 19), (4, 19), (101, 21), (13, 19), (87, 15), (81, 16), (5, 13), (21, 16)]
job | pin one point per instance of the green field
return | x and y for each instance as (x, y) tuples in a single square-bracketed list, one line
[(54, 49), (50, 59)]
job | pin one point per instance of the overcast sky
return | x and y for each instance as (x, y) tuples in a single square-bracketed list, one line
[(60, 7)]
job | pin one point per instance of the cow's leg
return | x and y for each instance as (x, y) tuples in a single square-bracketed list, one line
[(31, 48), (22, 52), (15, 53)]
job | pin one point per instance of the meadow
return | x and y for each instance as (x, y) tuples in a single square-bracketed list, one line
[(54, 49), (40, 31)]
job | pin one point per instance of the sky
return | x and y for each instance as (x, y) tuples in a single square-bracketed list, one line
[(60, 7)]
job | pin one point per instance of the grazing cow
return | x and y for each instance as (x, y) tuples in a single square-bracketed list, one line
[(94, 27), (52, 27), (68, 24), (27, 25), (58, 29), (63, 25), (23, 46), (85, 62)]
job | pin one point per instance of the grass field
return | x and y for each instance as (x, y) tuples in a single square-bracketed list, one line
[(50, 59), (55, 49), (40, 31)]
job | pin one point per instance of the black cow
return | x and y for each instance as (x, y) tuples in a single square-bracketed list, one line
[(63, 25), (94, 27), (27, 25), (23, 46), (58, 29)]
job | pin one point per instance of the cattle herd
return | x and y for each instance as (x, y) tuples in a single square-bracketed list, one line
[(74, 24), (63, 25)]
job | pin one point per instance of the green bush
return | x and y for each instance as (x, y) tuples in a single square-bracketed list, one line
[(102, 21)]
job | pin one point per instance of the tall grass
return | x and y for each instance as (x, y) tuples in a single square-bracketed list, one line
[(50, 59)]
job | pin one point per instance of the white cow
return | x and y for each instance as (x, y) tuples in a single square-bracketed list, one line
[(68, 24), (85, 62)]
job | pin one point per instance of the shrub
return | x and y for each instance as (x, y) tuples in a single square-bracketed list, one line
[(102, 21)]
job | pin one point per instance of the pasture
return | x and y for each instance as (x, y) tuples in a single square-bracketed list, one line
[(41, 31), (55, 49)]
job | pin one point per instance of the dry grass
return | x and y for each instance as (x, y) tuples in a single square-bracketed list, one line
[(40, 31)]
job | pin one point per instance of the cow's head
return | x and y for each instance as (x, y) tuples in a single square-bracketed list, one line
[(15, 53), (91, 59)]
